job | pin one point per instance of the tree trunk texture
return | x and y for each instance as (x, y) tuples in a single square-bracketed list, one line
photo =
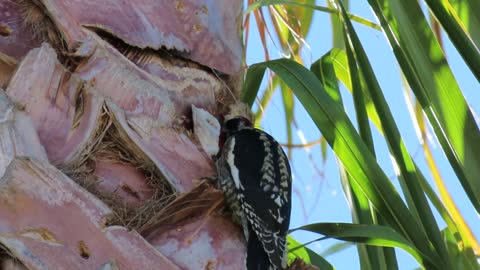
[(99, 164)]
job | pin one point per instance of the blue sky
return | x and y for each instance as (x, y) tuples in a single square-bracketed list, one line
[(322, 195)]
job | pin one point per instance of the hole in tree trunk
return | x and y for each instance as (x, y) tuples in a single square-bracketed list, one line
[(83, 250)]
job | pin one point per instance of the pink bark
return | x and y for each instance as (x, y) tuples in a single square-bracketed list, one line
[(193, 233), (43, 212), (123, 180), (200, 244), (205, 31), (49, 94), (152, 110), (6, 72), (17, 135), (46, 220), (16, 38)]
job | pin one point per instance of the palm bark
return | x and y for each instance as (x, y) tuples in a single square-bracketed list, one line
[(99, 167)]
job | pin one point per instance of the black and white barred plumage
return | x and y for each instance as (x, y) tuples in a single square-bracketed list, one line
[(255, 176)]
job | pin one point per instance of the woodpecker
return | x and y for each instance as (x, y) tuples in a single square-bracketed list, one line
[(255, 177)]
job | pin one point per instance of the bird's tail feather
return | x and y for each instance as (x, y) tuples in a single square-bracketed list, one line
[(257, 258)]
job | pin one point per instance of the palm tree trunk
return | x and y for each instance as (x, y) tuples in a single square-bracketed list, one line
[(99, 165)]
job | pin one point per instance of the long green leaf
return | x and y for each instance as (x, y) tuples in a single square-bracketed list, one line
[(291, 24), (362, 212), (296, 250), (370, 256), (337, 59), (250, 86), (342, 137), (267, 94), (318, 8), (434, 85), (337, 36), (288, 105), (410, 179), (336, 248), (377, 256), (467, 10), (301, 16), (375, 235), (342, 71), (463, 259), (324, 70), (452, 25)]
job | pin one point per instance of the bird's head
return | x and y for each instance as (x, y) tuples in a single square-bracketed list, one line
[(238, 118), (235, 124), (231, 126)]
